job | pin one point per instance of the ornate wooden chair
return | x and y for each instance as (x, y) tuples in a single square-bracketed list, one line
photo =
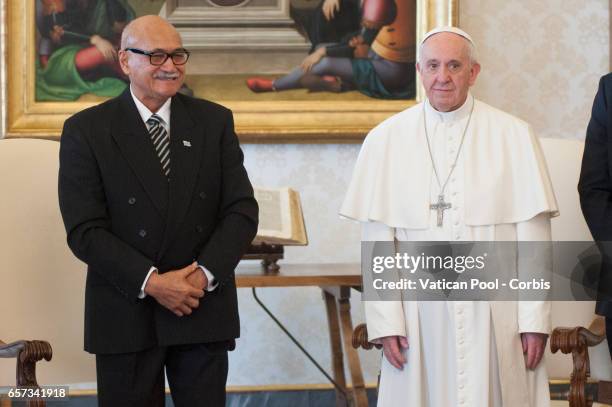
[(577, 341), (27, 354)]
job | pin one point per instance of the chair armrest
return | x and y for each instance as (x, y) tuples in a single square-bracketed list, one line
[(27, 354), (577, 341), (360, 338), (598, 327), (569, 339), (12, 349)]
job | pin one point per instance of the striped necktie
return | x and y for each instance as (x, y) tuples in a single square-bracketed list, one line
[(161, 142)]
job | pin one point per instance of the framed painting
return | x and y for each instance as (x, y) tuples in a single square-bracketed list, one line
[(303, 71)]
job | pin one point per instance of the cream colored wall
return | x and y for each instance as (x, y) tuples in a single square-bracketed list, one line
[(541, 61)]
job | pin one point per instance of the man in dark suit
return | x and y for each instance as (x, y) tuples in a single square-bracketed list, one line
[(595, 188), (156, 201)]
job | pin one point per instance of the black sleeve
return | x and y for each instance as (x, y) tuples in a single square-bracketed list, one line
[(84, 211), (594, 185), (238, 212)]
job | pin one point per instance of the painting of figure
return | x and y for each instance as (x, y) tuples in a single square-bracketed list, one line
[(323, 70), (377, 60), (77, 48), (350, 48)]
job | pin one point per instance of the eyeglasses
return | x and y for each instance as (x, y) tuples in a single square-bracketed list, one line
[(179, 57)]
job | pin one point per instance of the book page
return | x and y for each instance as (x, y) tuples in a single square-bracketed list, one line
[(274, 217)]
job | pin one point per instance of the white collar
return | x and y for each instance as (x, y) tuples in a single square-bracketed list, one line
[(454, 115), (145, 113)]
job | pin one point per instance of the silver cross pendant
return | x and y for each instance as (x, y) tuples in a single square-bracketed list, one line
[(440, 207)]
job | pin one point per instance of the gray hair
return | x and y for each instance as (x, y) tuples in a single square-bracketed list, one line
[(126, 36)]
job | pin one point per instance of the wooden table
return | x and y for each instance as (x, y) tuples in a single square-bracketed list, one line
[(336, 281)]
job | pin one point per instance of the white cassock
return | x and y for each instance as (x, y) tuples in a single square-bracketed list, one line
[(460, 353)]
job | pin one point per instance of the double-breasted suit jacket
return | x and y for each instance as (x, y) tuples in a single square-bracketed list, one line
[(123, 216)]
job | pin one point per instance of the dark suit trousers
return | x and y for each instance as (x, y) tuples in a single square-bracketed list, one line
[(196, 374)]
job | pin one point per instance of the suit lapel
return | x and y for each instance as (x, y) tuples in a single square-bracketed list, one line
[(132, 137), (185, 156)]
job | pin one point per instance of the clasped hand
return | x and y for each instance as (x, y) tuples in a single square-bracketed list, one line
[(178, 290)]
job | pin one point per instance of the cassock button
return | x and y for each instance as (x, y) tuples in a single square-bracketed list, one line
[(202, 195), (199, 229), (132, 200), (142, 233)]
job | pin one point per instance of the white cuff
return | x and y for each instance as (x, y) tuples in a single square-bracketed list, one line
[(142, 293), (212, 284)]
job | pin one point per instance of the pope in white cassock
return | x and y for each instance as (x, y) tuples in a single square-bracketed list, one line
[(455, 169)]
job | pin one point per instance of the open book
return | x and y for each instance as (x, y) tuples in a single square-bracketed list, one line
[(281, 220)]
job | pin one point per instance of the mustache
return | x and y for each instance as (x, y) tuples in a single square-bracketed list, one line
[(163, 75)]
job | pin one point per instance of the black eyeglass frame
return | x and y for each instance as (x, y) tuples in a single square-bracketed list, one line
[(170, 55)]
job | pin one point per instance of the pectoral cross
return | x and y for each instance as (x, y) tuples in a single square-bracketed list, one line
[(441, 206)]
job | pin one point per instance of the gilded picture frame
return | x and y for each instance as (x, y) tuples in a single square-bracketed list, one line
[(265, 121)]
